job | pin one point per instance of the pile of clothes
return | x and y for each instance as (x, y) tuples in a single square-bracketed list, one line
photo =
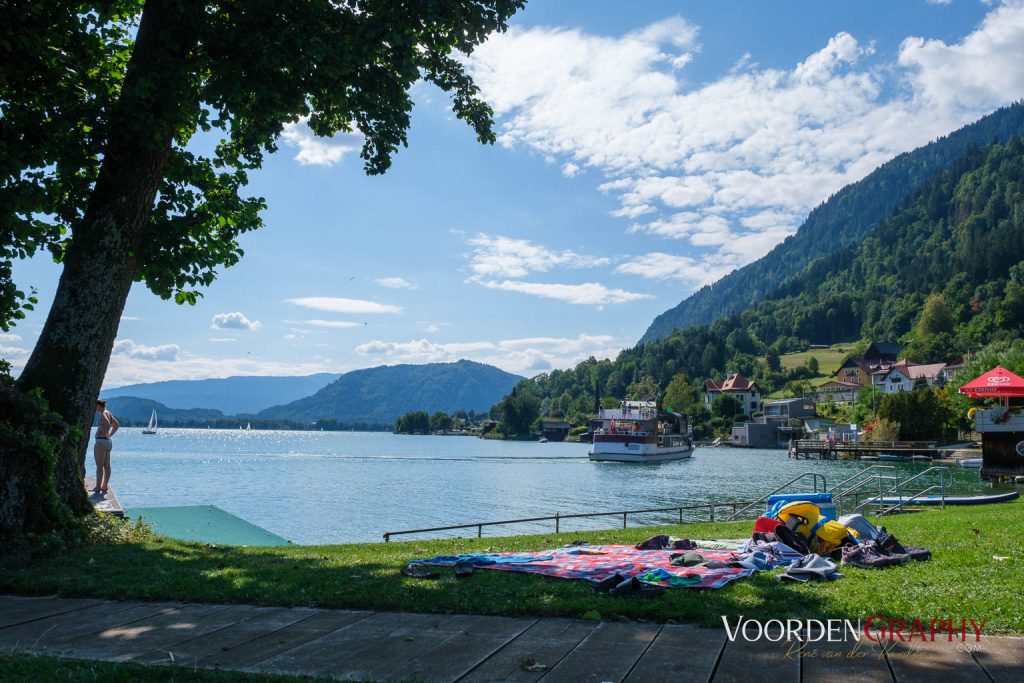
[(823, 542)]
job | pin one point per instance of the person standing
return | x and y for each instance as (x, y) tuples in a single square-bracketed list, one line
[(108, 426)]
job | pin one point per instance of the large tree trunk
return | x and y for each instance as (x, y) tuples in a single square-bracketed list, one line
[(70, 358)]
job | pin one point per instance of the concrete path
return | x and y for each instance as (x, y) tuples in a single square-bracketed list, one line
[(388, 646)]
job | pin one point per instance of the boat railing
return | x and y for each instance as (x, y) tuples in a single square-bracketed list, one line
[(815, 478), (558, 518)]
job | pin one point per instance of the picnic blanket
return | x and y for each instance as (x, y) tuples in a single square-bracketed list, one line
[(597, 562)]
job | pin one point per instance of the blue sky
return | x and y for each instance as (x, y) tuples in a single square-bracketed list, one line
[(645, 149)]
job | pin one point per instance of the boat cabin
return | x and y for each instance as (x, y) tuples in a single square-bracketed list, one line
[(641, 421)]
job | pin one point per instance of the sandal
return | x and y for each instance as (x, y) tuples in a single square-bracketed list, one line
[(605, 585), (634, 587), (463, 569), (418, 571)]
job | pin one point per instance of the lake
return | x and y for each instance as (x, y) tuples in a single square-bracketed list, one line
[(338, 487)]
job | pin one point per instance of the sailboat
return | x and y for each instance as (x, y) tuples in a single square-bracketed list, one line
[(248, 427), (151, 429)]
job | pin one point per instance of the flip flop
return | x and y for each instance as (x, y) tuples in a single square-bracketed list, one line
[(463, 569), (635, 588), (418, 571), (605, 585)]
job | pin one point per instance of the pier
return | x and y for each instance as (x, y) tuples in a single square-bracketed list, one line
[(103, 502), (816, 449)]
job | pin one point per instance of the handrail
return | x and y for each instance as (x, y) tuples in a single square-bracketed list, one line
[(557, 518), (814, 477), (899, 505), (861, 473), (900, 486)]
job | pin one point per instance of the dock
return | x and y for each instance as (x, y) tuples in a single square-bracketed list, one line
[(394, 646), (818, 449), (103, 502)]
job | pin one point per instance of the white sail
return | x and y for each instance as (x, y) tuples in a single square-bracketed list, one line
[(151, 429)]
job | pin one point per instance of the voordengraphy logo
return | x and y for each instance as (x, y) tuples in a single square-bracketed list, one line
[(875, 629)]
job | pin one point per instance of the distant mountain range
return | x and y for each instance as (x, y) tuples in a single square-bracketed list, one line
[(384, 393), (844, 219), (230, 396), (371, 396)]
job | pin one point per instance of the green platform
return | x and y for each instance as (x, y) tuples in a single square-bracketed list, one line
[(206, 524)]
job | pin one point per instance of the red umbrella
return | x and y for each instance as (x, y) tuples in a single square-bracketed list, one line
[(997, 382)]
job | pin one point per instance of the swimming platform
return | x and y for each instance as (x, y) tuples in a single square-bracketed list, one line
[(205, 524)]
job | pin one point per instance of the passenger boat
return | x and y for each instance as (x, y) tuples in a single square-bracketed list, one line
[(637, 431)]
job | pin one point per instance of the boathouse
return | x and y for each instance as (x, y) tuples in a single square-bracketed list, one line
[(554, 430)]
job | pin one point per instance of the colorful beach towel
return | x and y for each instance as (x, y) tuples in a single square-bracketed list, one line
[(595, 563)]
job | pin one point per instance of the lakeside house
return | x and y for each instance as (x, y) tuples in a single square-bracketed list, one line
[(774, 428), (903, 375), (879, 367), (747, 393), (554, 430)]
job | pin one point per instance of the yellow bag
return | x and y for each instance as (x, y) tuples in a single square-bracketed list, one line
[(824, 535)]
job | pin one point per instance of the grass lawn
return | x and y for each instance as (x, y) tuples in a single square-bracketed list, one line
[(20, 667), (829, 359), (964, 580)]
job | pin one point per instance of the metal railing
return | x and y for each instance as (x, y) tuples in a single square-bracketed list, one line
[(815, 477), (900, 490), (873, 475), (557, 518)]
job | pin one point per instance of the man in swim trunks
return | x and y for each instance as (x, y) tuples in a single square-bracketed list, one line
[(108, 426)]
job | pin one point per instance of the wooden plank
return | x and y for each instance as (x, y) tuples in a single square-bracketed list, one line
[(369, 648), (479, 638), (128, 641), (766, 660), (1003, 658), (49, 633), (679, 653), (260, 622), (104, 502), (17, 610), (847, 662), (250, 655), (607, 654), (939, 661), (545, 643)]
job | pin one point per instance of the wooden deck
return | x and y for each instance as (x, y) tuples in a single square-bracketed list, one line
[(104, 502), (360, 645)]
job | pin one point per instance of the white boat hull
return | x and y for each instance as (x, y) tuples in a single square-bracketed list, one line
[(622, 452)]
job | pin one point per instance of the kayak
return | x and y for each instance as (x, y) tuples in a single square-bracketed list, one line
[(951, 500)]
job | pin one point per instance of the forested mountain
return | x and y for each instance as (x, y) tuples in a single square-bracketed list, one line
[(944, 274), (231, 395), (383, 393), (845, 218), (132, 411)]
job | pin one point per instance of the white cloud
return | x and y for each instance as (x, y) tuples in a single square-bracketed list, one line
[(587, 293), (234, 321), (500, 256), (13, 353), (9, 337), (661, 266), (984, 69), (129, 318), (336, 324), (341, 305), (318, 151), (395, 283), (430, 327), (732, 164), (129, 349), (222, 340), (526, 356)]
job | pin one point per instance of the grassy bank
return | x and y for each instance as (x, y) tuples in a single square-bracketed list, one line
[(963, 581)]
